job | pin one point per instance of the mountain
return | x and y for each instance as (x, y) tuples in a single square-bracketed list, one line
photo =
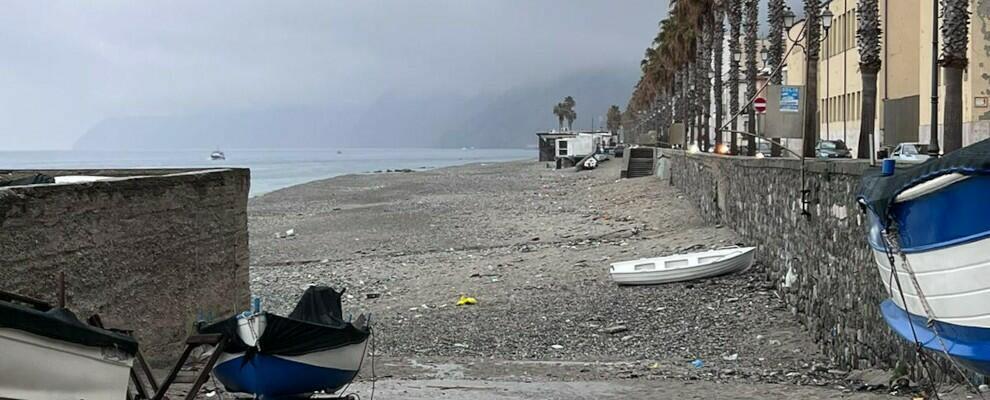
[(506, 119), (512, 118)]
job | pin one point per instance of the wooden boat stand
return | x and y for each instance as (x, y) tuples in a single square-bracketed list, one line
[(217, 340)]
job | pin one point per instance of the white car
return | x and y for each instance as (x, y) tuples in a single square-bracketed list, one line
[(910, 152)]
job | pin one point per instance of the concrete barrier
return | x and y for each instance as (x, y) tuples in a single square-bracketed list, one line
[(150, 251)]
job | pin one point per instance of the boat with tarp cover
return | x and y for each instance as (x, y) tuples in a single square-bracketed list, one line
[(46, 353), (930, 236), (313, 349)]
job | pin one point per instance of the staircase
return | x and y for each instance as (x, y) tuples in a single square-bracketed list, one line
[(640, 162)]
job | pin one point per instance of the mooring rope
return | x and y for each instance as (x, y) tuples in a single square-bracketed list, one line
[(892, 245)]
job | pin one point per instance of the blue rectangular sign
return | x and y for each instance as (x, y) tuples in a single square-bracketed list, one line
[(790, 99)]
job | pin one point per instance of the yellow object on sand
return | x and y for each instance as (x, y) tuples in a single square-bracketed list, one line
[(467, 301)]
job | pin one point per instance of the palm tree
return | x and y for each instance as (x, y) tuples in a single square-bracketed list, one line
[(752, 25), (775, 13), (734, 12), (559, 111), (613, 119), (868, 41), (569, 113), (812, 9), (955, 41)]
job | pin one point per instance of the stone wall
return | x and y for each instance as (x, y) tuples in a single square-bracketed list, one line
[(149, 253), (837, 290)]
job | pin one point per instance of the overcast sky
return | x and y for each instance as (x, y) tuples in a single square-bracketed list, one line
[(66, 65)]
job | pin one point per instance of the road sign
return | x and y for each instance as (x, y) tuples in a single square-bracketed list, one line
[(789, 99), (760, 105)]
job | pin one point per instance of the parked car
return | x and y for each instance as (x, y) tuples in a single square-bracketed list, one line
[(910, 152), (764, 147), (619, 150), (832, 149)]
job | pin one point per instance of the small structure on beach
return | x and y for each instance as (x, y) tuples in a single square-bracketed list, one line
[(550, 142)]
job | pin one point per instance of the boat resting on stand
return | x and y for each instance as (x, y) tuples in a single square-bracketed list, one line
[(48, 354), (311, 350), (682, 267), (930, 224)]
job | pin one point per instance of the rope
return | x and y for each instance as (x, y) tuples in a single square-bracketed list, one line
[(892, 245)]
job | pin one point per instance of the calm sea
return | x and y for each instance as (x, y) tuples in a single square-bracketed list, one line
[(270, 169)]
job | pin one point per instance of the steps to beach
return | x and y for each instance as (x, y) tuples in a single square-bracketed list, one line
[(640, 162)]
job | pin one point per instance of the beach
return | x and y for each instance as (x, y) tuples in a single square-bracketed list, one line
[(533, 245)]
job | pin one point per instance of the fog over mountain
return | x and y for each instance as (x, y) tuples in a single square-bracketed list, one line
[(186, 73)]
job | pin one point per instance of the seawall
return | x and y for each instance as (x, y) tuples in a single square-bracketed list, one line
[(835, 288), (149, 251)]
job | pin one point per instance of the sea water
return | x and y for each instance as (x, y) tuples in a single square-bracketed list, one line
[(270, 169)]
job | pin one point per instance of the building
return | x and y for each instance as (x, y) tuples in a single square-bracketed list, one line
[(904, 84)]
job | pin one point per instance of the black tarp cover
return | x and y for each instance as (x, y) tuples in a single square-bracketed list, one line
[(878, 192), (62, 324), (316, 324), (19, 179)]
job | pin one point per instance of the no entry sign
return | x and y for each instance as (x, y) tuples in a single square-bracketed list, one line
[(760, 105)]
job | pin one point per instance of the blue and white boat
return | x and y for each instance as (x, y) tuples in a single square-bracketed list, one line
[(933, 221), (311, 350)]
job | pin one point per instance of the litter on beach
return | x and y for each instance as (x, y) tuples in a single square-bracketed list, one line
[(467, 301), (682, 267)]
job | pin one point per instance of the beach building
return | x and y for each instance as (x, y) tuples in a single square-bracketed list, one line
[(904, 84)]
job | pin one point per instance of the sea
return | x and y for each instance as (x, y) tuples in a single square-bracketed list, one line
[(271, 169)]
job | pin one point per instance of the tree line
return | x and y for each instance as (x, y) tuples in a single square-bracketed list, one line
[(682, 80)]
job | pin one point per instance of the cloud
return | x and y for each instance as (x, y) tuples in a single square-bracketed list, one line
[(69, 65)]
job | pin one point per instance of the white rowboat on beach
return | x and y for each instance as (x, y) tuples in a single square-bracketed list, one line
[(682, 267), (40, 368)]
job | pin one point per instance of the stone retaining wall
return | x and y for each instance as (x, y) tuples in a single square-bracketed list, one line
[(837, 290), (148, 253)]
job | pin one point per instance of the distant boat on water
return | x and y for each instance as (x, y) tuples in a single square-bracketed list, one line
[(217, 155)]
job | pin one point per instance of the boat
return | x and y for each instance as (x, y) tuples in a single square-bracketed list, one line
[(312, 350), (682, 267), (48, 354), (930, 235), (217, 155)]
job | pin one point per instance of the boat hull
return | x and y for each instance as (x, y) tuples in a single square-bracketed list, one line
[(39, 368), (276, 376), (738, 262), (970, 346), (942, 267)]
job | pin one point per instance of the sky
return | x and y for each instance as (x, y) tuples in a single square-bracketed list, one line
[(68, 65)]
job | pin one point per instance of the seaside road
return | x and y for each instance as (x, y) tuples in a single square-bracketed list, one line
[(533, 245)]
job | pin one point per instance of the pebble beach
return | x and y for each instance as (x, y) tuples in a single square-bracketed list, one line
[(533, 246)]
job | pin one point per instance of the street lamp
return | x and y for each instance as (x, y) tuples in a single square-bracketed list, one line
[(736, 56), (789, 19), (763, 54), (826, 20)]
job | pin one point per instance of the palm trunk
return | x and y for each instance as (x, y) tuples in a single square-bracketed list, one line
[(868, 41), (955, 41), (706, 93), (869, 114), (813, 24), (718, 37), (775, 11), (735, 21), (752, 25)]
